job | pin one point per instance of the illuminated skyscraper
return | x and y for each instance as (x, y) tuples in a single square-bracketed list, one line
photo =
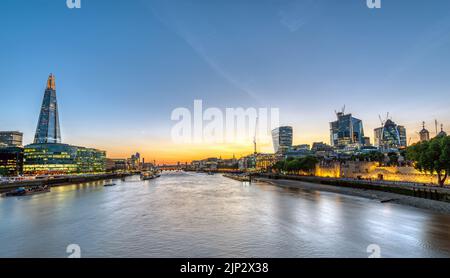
[(346, 131), (48, 130), (390, 136), (47, 156)]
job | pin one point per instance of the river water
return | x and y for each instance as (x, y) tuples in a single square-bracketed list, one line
[(198, 215)]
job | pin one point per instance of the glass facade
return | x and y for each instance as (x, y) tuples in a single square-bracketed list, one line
[(60, 159), (90, 160), (11, 138), (282, 138), (390, 136), (11, 161), (48, 130), (347, 130)]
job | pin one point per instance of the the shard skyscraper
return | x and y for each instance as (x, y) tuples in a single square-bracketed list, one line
[(48, 130)]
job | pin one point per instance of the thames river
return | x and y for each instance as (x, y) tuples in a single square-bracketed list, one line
[(198, 215)]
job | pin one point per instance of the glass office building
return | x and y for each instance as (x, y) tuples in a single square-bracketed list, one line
[(282, 138), (11, 161), (62, 159), (346, 131), (90, 160), (11, 138), (48, 130), (390, 136), (47, 156)]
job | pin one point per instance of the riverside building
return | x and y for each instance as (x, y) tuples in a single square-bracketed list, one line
[(47, 155), (11, 138), (61, 159), (11, 161)]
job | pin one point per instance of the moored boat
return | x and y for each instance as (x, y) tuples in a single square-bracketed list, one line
[(150, 175), (147, 176), (22, 191)]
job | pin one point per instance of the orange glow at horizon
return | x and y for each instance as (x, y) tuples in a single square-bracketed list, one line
[(167, 152)]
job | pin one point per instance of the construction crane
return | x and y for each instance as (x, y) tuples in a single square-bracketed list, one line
[(254, 138), (341, 112), (381, 120), (436, 125)]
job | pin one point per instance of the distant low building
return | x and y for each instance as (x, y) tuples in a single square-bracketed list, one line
[(247, 162), (209, 164), (264, 162), (11, 139), (146, 166), (321, 149), (298, 151), (301, 147), (231, 163), (368, 149)]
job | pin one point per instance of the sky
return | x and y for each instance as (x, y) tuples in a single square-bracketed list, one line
[(122, 67)]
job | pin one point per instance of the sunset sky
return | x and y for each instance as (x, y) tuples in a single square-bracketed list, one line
[(122, 67)]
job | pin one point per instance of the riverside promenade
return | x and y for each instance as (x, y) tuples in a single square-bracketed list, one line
[(59, 181), (416, 195)]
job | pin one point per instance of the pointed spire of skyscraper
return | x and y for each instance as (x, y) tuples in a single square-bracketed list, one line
[(48, 126), (51, 82)]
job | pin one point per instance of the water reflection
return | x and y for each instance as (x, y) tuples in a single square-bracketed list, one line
[(199, 215)]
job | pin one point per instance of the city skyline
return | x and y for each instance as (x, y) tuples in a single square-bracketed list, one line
[(222, 136), (49, 113), (300, 63)]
